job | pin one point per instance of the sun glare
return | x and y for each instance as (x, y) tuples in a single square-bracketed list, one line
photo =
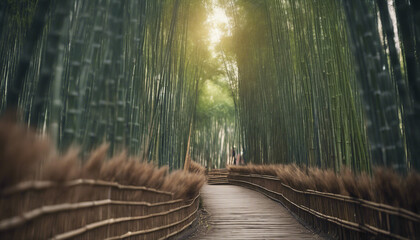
[(218, 24)]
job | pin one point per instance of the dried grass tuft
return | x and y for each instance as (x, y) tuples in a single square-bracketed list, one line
[(196, 168), (349, 183), (64, 169), (387, 185), (158, 177), (145, 171), (20, 151), (92, 168), (111, 170), (184, 185), (364, 185), (411, 191)]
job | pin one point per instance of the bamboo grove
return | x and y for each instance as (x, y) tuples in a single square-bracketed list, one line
[(324, 83), (328, 83), (124, 72), (214, 134)]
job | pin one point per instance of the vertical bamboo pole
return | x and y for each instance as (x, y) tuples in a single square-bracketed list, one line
[(187, 155)]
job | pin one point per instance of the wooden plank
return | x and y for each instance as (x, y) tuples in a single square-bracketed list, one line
[(240, 213)]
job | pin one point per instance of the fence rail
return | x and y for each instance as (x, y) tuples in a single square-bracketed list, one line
[(340, 216), (217, 176), (90, 209)]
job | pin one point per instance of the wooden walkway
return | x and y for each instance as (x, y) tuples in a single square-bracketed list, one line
[(240, 213)]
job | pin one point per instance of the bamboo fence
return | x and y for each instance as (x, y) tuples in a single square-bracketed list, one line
[(91, 209), (217, 176), (340, 216)]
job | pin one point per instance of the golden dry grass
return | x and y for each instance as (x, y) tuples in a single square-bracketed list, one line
[(66, 168), (196, 168), (411, 191), (20, 151), (26, 156), (384, 186)]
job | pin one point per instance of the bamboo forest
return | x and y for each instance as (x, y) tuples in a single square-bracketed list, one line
[(197, 105)]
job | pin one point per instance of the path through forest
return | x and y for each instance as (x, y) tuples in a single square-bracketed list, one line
[(240, 213)]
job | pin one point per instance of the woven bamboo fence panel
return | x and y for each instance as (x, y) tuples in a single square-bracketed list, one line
[(91, 209), (340, 216), (217, 176)]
